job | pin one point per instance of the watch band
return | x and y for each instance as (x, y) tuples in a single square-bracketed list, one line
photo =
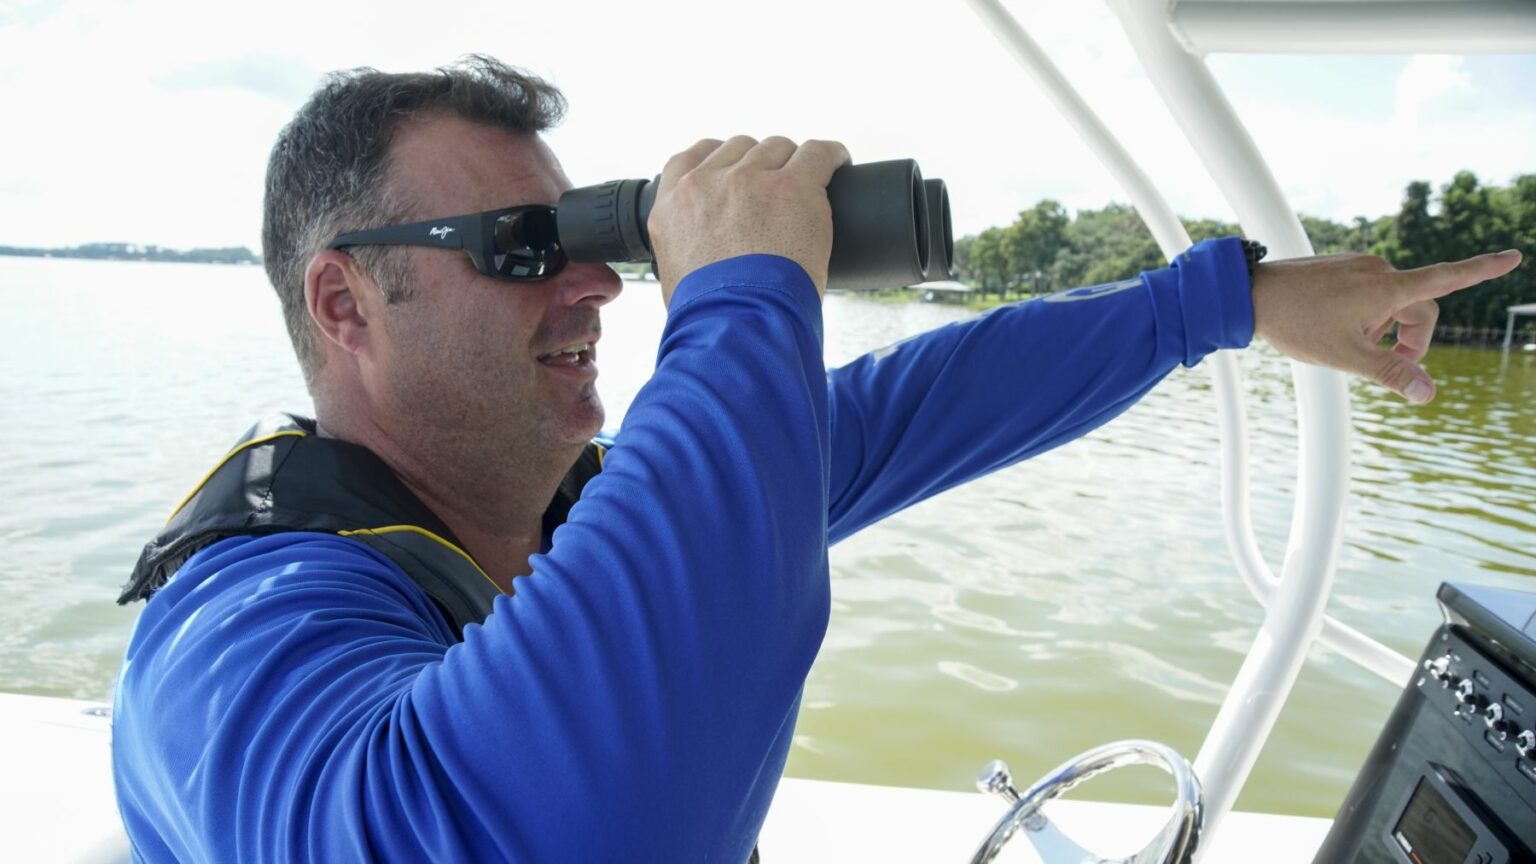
[(1253, 253)]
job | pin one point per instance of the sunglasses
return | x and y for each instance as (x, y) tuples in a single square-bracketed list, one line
[(518, 244)]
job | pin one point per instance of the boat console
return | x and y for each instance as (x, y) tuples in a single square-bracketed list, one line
[(1452, 779)]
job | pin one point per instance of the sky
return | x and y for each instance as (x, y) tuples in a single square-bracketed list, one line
[(150, 122)]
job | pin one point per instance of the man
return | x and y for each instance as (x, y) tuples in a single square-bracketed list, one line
[(368, 638)]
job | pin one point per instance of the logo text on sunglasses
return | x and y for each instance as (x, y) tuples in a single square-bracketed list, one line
[(442, 232)]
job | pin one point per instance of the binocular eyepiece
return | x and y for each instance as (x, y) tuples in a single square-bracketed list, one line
[(890, 227)]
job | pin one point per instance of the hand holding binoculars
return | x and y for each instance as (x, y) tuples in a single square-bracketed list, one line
[(890, 227)]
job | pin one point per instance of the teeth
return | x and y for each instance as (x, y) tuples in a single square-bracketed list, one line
[(573, 352)]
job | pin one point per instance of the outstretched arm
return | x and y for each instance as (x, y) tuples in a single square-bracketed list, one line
[(948, 406), (945, 407)]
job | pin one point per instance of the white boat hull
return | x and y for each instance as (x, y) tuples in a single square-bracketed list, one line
[(56, 804)]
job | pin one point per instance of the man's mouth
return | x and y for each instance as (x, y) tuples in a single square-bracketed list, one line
[(575, 354)]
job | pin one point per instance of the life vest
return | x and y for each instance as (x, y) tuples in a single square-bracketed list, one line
[(282, 476)]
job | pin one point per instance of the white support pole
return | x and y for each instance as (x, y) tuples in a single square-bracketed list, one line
[(1357, 26), (1154, 210), (1226, 375), (1295, 612), (1509, 330), (1266, 678)]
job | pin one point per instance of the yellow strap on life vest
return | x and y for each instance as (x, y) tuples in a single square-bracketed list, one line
[(297, 433), (416, 529)]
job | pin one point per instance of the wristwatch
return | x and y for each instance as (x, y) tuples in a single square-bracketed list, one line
[(1253, 253)]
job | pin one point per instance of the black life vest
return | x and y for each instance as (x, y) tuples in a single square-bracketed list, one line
[(282, 476)]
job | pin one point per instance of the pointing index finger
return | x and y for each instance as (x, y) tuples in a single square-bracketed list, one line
[(1438, 280)]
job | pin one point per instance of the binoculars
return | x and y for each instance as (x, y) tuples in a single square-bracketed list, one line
[(890, 227)]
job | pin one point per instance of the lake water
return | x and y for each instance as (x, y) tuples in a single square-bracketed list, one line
[(1081, 597)]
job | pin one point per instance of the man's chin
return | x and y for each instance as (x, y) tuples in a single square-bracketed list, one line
[(583, 424)]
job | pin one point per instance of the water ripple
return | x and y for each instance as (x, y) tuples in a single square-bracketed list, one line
[(1083, 596)]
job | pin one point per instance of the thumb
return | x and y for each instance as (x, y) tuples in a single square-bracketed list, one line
[(1393, 370)]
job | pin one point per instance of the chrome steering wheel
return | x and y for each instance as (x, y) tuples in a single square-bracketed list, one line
[(1174, 844)]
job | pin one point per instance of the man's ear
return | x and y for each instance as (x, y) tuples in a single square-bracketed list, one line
[(337, 292)]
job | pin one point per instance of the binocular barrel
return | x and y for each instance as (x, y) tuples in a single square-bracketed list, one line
[(889, 227), (941, 236)]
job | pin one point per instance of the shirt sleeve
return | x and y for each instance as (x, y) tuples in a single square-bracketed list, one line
[(296, 698), (950, 405)]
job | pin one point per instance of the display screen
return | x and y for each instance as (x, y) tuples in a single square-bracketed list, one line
[(1430, 831)]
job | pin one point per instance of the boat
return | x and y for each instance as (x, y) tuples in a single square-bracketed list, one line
[(1425, 796)]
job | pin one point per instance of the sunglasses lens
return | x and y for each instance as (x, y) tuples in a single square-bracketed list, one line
[(527, 245), (526, 232)]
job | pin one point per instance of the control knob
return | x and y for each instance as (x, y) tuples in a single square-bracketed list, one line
[(1493, 716), (1440, 669), (1525, 743), (1471, 701)]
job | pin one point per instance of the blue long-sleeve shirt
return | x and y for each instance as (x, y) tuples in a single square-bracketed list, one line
[(297, 697)]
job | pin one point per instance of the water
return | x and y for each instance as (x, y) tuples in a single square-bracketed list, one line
[(1081, 597)]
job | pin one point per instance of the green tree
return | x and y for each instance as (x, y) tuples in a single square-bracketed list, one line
[(1206, 229), (1038, 236), (1363, 233), (989, 262), (963, 265), (1327, 236), (1103, 246), (1410, 240), (1517, 203), (1045, 249), (1468, 224)]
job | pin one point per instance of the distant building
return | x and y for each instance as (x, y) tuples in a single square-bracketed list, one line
[(1516, 312), (942, 291)]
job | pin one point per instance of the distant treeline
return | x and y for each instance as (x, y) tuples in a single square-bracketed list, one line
[(135, 252), (1045, 249)]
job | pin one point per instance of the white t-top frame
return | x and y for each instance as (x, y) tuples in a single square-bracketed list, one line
[(1170, 38)]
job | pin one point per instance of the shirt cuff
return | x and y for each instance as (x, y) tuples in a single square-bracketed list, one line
[(759, 270), (1215, 297)]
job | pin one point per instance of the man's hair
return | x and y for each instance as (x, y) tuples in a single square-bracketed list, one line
[(329, 168)]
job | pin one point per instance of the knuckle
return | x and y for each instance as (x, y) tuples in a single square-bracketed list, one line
[(825, 151), (687, 186), (1391, 372), (701, 148), (777, 183), (692, 155)]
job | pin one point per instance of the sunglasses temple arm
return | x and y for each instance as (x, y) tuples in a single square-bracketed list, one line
[(441, 233)]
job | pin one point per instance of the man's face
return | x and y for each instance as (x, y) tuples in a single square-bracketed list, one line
[(470, 358)]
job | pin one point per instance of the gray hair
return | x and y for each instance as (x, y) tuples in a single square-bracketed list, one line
[(328, 170)]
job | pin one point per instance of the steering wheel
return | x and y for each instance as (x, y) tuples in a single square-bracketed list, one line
[(1174, 844)]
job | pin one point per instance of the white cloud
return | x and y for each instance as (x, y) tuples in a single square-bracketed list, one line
[(1440, 121), (151, 122), (1430, 84)]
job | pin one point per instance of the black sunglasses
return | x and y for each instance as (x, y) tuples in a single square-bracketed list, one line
[(518, 244)]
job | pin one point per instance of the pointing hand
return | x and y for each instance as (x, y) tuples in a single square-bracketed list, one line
[(1333, 310)]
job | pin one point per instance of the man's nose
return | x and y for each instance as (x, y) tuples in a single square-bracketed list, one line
[(593, 284)]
